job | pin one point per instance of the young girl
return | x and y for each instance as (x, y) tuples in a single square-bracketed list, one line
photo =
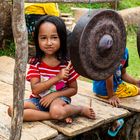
[(118, 85), (53, 80)]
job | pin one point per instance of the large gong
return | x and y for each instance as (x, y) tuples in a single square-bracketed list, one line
[(97, 45)]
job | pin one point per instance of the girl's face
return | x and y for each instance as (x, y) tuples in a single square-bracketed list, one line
[(48, 38)]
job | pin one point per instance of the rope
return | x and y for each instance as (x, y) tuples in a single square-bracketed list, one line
[(89, 12)]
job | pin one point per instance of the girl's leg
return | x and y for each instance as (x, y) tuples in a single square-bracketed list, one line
[(31, 113), (27, 105), (60, 110), (35, 115)]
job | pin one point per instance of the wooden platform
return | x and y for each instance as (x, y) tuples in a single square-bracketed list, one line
[(105, 113), (130, 103)]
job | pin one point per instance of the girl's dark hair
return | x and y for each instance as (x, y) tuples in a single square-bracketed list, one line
[(61, 54)]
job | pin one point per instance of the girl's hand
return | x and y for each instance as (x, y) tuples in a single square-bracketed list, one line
[(64, 73), (114, 100), (47, 100)]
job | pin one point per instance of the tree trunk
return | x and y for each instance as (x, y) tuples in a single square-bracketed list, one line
[(5, 22)]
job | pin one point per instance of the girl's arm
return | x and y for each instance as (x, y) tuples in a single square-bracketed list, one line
[(129, 79), (113, 99), (68, 92), (109, 87), (37, 86)]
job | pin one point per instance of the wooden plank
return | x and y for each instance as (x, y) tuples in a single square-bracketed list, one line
[(104, 113), (31, 130), (68, 18), (130, 103), (65, 15), (103, 110), (79, 125), (7, 64), (7, 71), (85, 85), (6, 95), (39, 130)]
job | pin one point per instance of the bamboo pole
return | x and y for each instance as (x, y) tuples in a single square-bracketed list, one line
[(70, 1), (21, 55)]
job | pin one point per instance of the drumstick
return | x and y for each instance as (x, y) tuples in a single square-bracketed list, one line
[(90, 104), (68, 66)]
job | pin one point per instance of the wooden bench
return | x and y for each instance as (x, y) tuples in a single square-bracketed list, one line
[(105, 113)]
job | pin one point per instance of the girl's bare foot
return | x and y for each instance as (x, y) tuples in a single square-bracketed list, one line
[(68, 120), (88, 112)]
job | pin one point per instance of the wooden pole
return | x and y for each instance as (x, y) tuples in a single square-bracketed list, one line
[(69, 1), (21, 55)]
